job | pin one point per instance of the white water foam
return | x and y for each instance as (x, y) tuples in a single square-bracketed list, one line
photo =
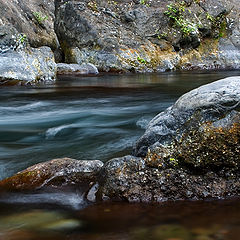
[(143, 122), (29, 106), (74, 200), (52, 132)]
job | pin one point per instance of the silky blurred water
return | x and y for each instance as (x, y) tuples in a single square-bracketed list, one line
[(85, 117), (97, 117)]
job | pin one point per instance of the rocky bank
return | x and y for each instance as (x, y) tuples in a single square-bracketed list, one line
[(147, 36), (189, 151), (119, 36)]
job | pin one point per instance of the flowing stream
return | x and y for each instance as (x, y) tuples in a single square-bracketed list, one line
[(98, 117)]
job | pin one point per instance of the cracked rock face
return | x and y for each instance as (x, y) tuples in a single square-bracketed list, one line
[(22, 15), (130, 36)]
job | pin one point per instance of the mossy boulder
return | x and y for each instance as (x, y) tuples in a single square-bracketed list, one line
[(216, 103), (202, 149)]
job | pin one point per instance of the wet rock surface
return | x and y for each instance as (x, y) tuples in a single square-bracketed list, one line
[(133, 182), (57, 172)]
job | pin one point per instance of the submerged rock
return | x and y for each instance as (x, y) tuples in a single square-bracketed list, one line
[(57, 172), (27, 66), (38, 220), (85, 68)]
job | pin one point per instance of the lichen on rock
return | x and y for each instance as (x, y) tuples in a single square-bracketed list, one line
[(157, 36)]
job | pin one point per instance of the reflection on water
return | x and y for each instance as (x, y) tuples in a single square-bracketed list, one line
[(209, 220), (97, 118)]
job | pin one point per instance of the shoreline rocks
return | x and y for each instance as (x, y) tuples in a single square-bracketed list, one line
[(54, 173), (83, 69), (27, 66), (150, 37), (189, 152), (125, 36)]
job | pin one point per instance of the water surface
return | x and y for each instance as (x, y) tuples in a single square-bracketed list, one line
[(97, 118), (85, 117)]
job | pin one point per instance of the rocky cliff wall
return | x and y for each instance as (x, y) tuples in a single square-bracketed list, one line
[(124, 35), (150, 35), (34, 18)]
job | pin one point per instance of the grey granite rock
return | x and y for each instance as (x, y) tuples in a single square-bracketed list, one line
[(27, 66), (129, 36), (210, 102), (85, 68)]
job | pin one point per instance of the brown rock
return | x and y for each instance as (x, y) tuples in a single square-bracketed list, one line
[(56, 172)]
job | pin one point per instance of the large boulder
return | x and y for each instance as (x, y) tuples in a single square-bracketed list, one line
[(27, 65), (189, 151), (133, 179), (208, 103), (54, 173)]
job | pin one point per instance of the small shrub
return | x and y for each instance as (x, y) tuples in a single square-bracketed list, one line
[(175, 13), (141, 60), (39, 17), (144, 2)]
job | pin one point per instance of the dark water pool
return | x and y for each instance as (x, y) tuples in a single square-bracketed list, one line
[(97, 118)]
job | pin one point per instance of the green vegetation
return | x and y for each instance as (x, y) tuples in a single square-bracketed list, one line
[(22, 38), (112, 2), (144, 2), (141, 60), (173, 162), (219, 24), (162, 36), (175, 13), (39, 17)]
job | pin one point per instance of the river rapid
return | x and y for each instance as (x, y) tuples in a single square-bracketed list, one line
[(97, 117)]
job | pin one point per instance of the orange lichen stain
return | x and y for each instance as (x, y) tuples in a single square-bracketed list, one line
[(26, 180), (208, 47)]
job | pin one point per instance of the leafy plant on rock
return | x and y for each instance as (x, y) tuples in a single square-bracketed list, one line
[(175, 13), (39, 17)]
